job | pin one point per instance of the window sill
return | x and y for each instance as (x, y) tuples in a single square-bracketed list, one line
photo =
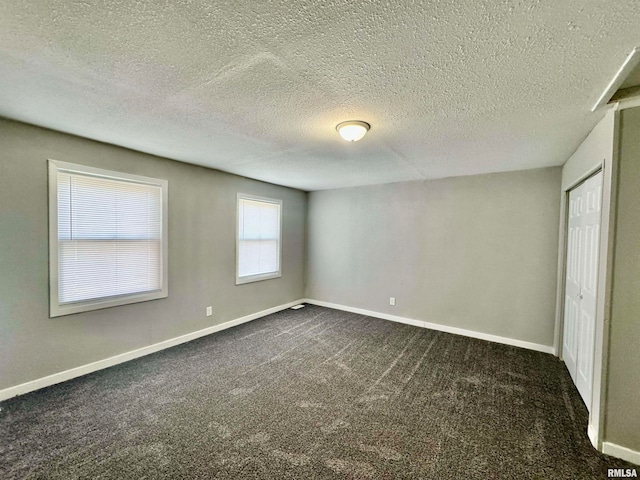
[(71, 308), (257, 278)]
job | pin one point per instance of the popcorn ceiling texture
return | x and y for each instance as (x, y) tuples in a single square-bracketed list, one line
[(450, 87)]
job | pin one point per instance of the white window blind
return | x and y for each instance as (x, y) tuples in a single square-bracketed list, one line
[(110, 239), (258, 249)]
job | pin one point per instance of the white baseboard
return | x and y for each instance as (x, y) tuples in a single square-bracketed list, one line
[(624, 453), (593, 437), (435, 326), (125, 357)]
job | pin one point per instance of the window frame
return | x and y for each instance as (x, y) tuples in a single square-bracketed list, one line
[(56, 309), (261, 276)]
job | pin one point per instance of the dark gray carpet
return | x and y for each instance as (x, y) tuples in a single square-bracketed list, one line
[(306, 394)]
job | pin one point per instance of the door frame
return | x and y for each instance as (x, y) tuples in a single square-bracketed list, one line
[(586, 396), (609, 167)]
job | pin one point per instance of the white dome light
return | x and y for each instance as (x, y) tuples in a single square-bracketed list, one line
[(353, 130)]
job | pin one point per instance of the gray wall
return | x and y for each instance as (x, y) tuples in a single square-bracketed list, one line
[(202, 206), (596, 152), (476, 252), (622, 419)]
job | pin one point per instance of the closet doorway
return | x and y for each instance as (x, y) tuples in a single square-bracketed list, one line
[(583, 242)]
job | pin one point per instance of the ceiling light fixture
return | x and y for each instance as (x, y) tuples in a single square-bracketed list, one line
[(352, 130)]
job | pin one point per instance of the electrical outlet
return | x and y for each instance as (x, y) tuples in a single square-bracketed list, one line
[(209, 311), (392, 300)]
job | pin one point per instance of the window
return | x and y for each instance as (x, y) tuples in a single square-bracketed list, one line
[(107, 238), (258, 241)]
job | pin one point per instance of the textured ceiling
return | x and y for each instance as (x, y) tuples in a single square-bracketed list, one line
[(450, 87)]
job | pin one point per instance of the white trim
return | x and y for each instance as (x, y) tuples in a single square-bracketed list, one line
[(368, 313), (125, 357), (630, 102), (57, 309), (436, 326), (586, 175), (260, 276), (618, 79), (593, 436), (619, 451), (561, 275)]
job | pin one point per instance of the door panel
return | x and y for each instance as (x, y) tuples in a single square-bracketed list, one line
[(592, 237), (585, 355), (572, 287), (583, 242), (570, 352)]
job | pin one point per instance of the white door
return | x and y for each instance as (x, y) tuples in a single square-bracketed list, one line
[(583, 241)]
